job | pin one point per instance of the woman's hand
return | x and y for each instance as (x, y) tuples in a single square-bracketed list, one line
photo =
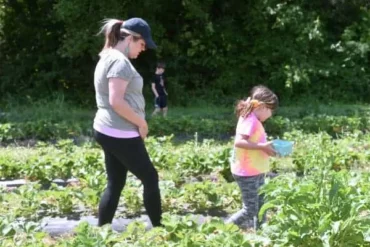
[(143, 129)]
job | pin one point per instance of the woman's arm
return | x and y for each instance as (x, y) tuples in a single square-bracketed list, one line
[(117, 88)]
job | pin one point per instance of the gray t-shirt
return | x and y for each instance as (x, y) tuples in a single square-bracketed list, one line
[(113, 64)]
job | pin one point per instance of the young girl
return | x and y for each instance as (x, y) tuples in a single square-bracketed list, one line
[(250, 161)]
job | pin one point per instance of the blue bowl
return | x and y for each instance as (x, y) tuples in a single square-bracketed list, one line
[(282, 147)]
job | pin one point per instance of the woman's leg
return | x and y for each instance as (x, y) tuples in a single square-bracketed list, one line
[(116, 176), (138, 162), (134, 156)]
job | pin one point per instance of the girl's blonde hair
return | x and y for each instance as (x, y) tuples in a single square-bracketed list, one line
[(259, 95)]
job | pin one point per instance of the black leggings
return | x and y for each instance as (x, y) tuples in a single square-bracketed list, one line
[(122, 155)]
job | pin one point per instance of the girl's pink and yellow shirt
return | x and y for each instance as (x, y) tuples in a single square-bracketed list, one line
[(247, 162)]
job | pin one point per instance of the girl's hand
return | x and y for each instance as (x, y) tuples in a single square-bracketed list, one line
[(268, 148)]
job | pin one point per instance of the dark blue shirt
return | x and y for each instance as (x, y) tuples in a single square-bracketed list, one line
[(159, 84)]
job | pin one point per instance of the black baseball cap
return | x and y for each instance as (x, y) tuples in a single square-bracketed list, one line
[(142, 28)]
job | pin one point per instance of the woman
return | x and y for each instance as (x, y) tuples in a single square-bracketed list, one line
[(119, 124)]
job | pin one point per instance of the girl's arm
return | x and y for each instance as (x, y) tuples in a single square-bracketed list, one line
[(241, 141)]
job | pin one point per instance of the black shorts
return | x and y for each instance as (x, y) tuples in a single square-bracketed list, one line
[(161, 101)]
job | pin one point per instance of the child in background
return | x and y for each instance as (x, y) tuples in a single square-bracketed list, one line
[(250, 161), (159, 90)]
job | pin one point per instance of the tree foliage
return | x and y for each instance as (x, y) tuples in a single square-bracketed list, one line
[(215, 50)]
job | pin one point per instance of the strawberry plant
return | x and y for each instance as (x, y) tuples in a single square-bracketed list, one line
[(321, 210)]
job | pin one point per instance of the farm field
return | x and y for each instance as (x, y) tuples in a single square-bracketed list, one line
[(52, 173), (61, 60)]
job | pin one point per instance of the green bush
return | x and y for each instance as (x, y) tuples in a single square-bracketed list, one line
[(301, 49)]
